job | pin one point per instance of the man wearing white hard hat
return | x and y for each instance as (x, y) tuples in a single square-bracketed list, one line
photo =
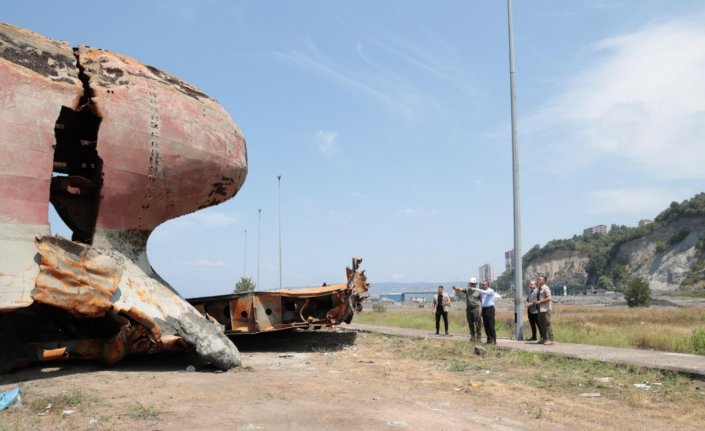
[(488, 297), (472, 309)]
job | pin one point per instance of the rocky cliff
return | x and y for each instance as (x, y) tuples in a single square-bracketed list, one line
[(669, 255), (561, 266)]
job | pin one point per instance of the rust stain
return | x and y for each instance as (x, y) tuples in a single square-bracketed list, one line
[(75, 278), (278, 310)]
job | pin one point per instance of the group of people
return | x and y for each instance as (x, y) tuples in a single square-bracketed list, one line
[(479, 308)]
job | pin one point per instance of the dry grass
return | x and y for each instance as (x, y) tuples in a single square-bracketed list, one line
[(658, 328), (556, 382), (673, 329)]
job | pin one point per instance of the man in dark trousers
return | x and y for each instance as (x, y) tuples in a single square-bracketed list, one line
[(472, 309), (532, 310), (440, 308), (544, 305), (488, 295)]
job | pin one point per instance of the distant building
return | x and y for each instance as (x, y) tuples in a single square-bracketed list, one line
[(397, 297), (509, 259), (423, 297), (600, 229), (645, 221), (485, 272)]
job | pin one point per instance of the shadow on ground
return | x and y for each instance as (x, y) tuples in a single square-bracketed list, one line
[(285, 341), (295, 341)]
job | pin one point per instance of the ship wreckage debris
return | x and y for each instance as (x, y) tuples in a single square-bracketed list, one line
[(117, 147), (255, 312)]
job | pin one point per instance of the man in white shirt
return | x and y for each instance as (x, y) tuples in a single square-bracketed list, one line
[(488, 296)]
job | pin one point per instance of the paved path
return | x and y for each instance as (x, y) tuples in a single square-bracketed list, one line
[(680, 362)]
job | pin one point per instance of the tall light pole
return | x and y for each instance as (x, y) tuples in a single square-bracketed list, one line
[(244, 271), (518, 284), (279, 181), (259, 242)]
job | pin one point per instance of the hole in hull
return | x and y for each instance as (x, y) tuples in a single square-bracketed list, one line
[(77, 175)]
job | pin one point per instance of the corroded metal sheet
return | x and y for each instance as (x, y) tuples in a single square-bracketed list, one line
[(75, 278), (118, 147), (267, 311)]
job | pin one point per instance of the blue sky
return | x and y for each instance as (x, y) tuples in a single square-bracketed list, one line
[(389, 122)]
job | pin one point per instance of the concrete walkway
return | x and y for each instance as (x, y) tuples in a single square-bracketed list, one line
[(693, 365)]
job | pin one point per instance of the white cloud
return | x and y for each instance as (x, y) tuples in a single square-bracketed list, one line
[(326, 142), (630, 201), (416, 213), (367, 77), (642, 104)]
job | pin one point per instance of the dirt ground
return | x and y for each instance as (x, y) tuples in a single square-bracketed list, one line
[(326, 380)]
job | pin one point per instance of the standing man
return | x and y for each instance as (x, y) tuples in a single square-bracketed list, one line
[(440, 308), (532, 309), (544, 303), (472, 309), (488, 296)]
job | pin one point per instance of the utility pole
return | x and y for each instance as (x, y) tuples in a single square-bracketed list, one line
[(259, 242), (518, 284), (279, 180)]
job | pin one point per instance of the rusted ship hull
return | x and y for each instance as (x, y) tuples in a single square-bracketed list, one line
[(268, 311), (118, 148)]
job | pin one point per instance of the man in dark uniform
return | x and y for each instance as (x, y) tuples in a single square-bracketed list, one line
[(472, 309)]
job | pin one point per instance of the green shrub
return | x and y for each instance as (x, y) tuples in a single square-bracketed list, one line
[(379, 307), (638, 293), (244, 285), (660, 246), (697, 341), (605, 282)]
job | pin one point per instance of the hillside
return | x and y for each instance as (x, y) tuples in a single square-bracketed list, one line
[(670, 253)]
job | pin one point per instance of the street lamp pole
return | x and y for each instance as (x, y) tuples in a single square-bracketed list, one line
[(279, 181), (259, 242), (518, 284)]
